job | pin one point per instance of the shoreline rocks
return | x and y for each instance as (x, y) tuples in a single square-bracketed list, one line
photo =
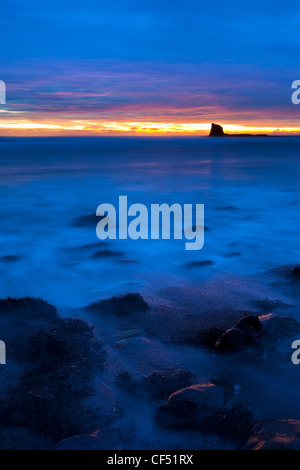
[(281, 434)]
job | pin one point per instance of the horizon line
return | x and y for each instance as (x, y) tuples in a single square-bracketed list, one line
[(21, 128)]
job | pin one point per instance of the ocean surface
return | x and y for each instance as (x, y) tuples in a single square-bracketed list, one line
[(249, 186)]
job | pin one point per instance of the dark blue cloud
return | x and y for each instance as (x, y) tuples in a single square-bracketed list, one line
[(180, 57), (252, 31)]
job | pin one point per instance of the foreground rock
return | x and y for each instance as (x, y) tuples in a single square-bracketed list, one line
[(253, 336), (242, 337), (281, 434), (205, 407), (60, 363)]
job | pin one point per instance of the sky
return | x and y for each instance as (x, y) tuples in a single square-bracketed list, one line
[(148, 67)]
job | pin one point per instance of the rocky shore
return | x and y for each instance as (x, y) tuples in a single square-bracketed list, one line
[(63, 389)]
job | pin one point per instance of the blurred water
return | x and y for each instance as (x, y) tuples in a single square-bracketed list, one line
[(250, 188)]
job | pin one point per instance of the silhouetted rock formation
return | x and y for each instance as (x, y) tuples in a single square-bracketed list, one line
[(216, 131)]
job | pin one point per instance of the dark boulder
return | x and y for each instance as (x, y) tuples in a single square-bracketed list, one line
[(249, 323), (281, 434), (190, 407), (207, 408), (237, 341)]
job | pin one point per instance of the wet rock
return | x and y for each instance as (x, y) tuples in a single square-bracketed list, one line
[(249, 323), (121, 305), (281, 434), (27, 307), (156, 386), (200, 264), (207, 408), (190, 407), (207, 338), (59, 365), (107, 254), (237, 341)]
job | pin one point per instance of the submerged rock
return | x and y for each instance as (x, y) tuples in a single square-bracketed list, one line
[(87, 220), (200, 264), (121, 305), (208, 408), (27, 307), (10, 258), (107, 254), (190, 407), (281, 434)]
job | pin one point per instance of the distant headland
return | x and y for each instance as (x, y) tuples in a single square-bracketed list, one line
[(217, 131)]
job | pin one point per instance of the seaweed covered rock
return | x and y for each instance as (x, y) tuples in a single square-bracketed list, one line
[(205, 407), (156, 386), (121, 305), (49, 398), (281, 434), (27, 308)]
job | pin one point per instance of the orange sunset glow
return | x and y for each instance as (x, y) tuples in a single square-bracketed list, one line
[(32, 128)]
